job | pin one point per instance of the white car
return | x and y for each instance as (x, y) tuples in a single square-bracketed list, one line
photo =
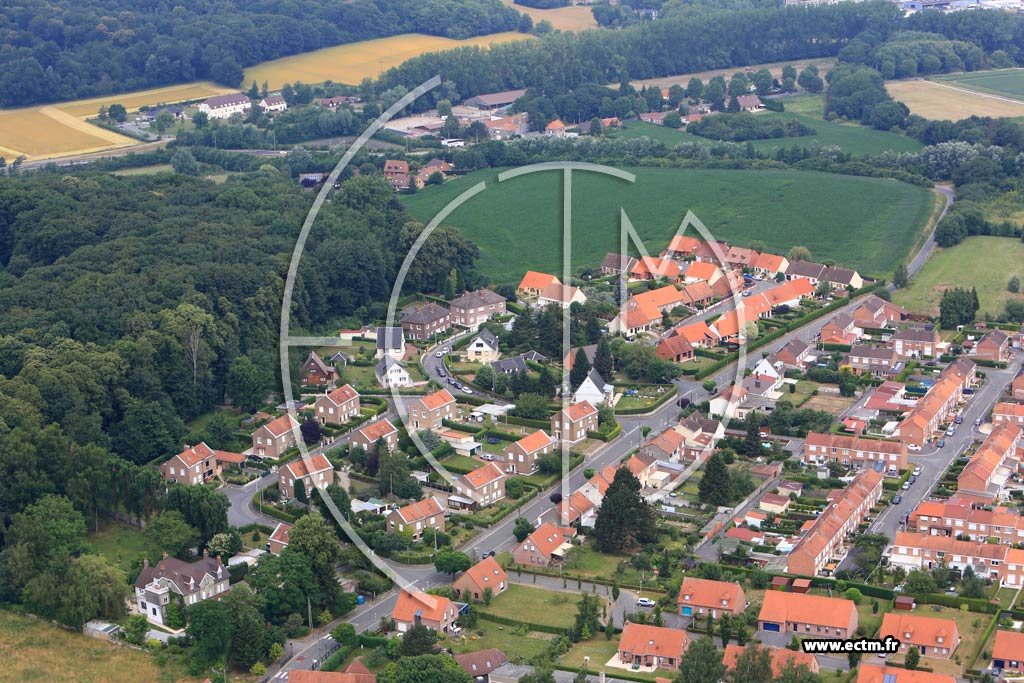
[(439, 354), (466, 390), (645, 602), (917, 471), (913, 447)]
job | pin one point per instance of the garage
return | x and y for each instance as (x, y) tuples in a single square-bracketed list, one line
[(769, 626), (687, 611)]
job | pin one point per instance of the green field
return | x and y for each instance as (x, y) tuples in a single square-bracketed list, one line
[(535, 606), (119, 543), (866, 223), (807, 109), (1005, 82), (984, 262)]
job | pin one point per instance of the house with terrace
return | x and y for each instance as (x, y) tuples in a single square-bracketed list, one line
[(808, 616), (338, 406), (194, 582), (652, 647)]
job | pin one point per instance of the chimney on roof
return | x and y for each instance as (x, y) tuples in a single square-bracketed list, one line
[(206, 552), (186, 447), (145, 561), (165, 555), (191, 583)]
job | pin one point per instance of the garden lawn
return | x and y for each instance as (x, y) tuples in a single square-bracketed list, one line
[(600, 651), (504, 638), (534, 606), (983, 262), (119, 543), (461, 464), (971, 626), (880, 219)]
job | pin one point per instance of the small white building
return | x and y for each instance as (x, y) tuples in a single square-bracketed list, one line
[(272, 103), (225, 106), (392, 373), (594, 390)]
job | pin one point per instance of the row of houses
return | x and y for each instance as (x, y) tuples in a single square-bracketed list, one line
[(939, 404), (226, 106), (992, 464), (468, 310)]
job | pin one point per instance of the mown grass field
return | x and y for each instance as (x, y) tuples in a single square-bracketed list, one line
[(569, 18), (866, 223), (984, 262), (119, 543), (535, 606), (1005, 82), (33, 650), (951, 101), (807, 109), (353, 62)]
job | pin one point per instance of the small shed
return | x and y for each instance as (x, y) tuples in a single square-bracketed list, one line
[(780, 583), (904, 602), (801, 585), (101, 629)]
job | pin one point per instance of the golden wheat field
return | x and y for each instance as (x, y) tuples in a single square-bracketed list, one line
[(571, 18), (934, 100), (353, 62), (144, 98)]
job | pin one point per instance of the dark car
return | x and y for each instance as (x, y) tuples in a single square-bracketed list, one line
[(441, 372), (897, 499), (941, 443)]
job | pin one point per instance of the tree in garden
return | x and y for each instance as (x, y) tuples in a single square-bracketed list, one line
[(799, 253), (311, 431), (522, 529), (673, 120), (958, 306), (300, 491), (433, 668), (117, 112), (580, 369), (451, 562), (701, 663), (418, 640), (754, 665), (247, 384), (604, 363), (625, 520), (209, 627), (920, 582), (169, 532), (694, 88), (715, 486), (900, 277), (532, 406), (587, 622), (913, 658)]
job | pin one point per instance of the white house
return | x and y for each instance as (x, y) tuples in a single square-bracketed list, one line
[(594, 390), (225, 106), (392, 373), (390, 342), (273, 103), (483, 348)]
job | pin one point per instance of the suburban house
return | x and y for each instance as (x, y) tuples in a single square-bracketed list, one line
[(653, 268), (416, 517), (482, 487), (699, 597), (545, 546), (774, 503), (807, 615), (910, 343), (424, 321), (794, 355), (920, 551), (483, 348), (315, 472), (533, 283), (523, 456), (740, 258), (708, 252), (855, 451), (938, 405), (272, 439), (994, 346), (506, 127), (781, 658), (1008, 651), (572, 423), (876, 312), (727, 402), (391, 373), (594, 390), (367, 436), (482, 663), (823, 541), (561, 295), (841, 329), (877, 360), (652, 646), (198, 464), (654, 117), (475, 581), (1017, 387), (577, 509), (355, 672), (617, 264), (338, 406), (493, 101), (390, 342), (428, 412), (805, 270), (225, 106), (873, 673), (333, 102), (555, 129), (518, 363), (697, 295), (272, 103), (675, 349), (769, 265), (961, 519), (395, 168), (436, 612), (750, 103), (698, 334), (1008, 412), (278, 540), (195, 581), (993, 463), (702, 271), (667, 446), (699, 436), (315, 371), (842, 278), (933, 637), (473, 308), (681, 247)]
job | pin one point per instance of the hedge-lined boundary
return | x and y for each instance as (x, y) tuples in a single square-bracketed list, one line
[(973, 604), (612, 433), (669, 393), (271, 511), (527, 422), (505, 621)]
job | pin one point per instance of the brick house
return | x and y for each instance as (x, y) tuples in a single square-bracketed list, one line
[(781, 658), (482, 487), (278, 540), (879, 361), (368, 435), (933, 637), (523, 456), (841, 329), (394, 168), (812, 616), (275, 437), (652, 646), (1008, 651), (436, 612), (417, 517), (993, 346), (198, 464), (675, 349), (195, 581), (699, 597), (473, 308), (856, 451), (545, 546), (424, 321), (1008, 412), (338, 406), (315, 472), (916, 343), (475, 581), (427, 412), (1017, 387), (572, 424), (876, 312), (681, 247), (533, 283), (873, 673), (315, 371), (920, 551)]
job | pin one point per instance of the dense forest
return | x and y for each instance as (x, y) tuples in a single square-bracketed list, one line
[(65, 49)]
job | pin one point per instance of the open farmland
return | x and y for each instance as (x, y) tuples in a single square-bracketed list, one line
[(775, 68), (132, 101), (353, 62), (1004, 82), (984, 262), (951, 100), (866, 223), (568, 18), (34, 650)]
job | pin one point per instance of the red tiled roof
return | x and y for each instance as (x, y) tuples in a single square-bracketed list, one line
[(578, 411), (430, 607), (486, 573), (342, 394), (420, 510), (482, 476), (808, 609), (535, 280), (282, 425), (303, 467), (535, 441), (658, 641), (377, 430), (872, 673), (549, 537), (437, 399)]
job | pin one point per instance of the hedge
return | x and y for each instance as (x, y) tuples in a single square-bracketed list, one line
[(835, 347), (527, 422), (409, 557), (372, 642), (661, 400), (984, 639), (506, 621), (612, 433), (249, 528), (271, 511), (337, 658), (617, 674), (973, 604), (462, 427), (515, 308)]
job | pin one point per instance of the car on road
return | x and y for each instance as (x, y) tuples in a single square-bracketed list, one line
[(941, 443), (959, 419), (441, 372), (913, 447), (917, 470), (746, 292), (439, 354), (451, 381), (951, 431), (906, 485), (911, 479), (897, 499), (488, 457), (645, 602), (465, 389), (977, 423)]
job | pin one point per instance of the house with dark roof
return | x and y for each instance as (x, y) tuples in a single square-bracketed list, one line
[(994, 346), (483, 348), (494, 101), (391, 373), (315, 371), (594, 390), (390, 342), (842, 278), (916, 343), (479, 306), (195, 581), (272, 103), (424, 321), (518, 363), (878, 360), (225, 106), (807, 270)]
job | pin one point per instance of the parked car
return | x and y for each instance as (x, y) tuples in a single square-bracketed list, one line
[(941, 443), (917, 470), (911, 479), (906, 485), (488, 457), (467, 390), (977, 423), (439, 354), (913, 447), (645, 602), (959, 419), (746, 292), (897, 499), (951, 431)]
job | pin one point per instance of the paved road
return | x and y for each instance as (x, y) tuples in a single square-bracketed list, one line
[(242, 511), (928, 247)]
